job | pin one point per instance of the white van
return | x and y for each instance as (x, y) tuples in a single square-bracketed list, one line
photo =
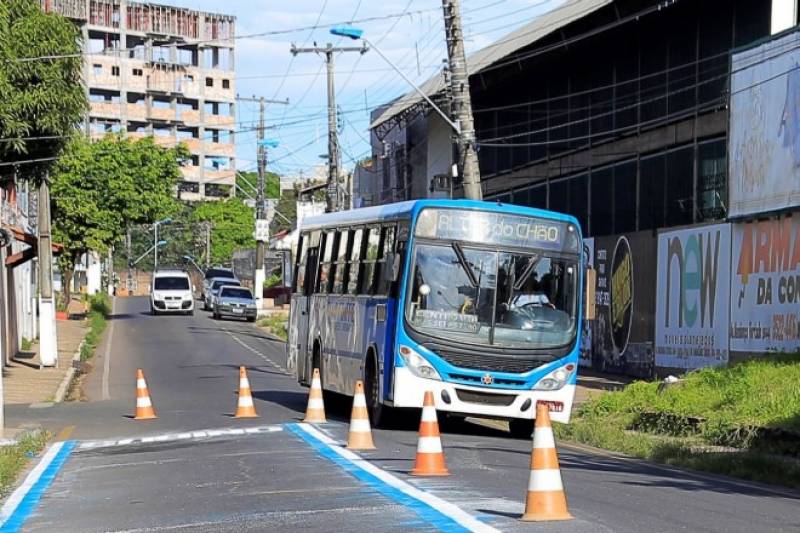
[(171, 292)]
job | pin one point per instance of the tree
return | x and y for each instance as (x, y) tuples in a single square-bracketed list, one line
[(287, 206), (249, 182), (101, 188), (233, 225), (42, 99)]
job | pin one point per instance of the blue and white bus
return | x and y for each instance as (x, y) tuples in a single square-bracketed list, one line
[(477, 301)]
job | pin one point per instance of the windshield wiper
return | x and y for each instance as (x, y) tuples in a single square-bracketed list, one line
[(532, 262), (462, 259)]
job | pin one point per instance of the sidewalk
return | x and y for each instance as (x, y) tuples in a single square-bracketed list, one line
[(25, 383), (592, 384)]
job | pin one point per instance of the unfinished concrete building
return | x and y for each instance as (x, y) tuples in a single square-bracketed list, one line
[(163, 71)]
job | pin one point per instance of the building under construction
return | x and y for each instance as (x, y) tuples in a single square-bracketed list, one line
[(162, 71)]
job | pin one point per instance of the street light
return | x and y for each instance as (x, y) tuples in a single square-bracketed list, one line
[(358, 34), (156, 242)]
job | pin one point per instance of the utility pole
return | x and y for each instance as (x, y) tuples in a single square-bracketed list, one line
[(261, 205), (129, 246), (208, 245), (48, 343), (333, 196), (462, 102)]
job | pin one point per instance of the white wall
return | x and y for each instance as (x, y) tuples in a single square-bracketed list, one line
[(440, 150)]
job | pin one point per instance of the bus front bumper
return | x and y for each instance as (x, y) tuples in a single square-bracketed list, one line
[(409, 391)]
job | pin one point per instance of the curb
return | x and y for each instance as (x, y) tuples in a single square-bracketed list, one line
[(66, 383)]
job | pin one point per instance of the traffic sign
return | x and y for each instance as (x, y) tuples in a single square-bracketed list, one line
[(262, 230)]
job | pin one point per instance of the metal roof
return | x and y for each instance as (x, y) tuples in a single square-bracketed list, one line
[(540, 27)]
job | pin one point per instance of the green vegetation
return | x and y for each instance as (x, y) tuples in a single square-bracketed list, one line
[(273, 280), (26, 344), (233, 224), (100, 188), (99, 312), (276, 324), (249, 182), (14, 458), (742, 421), (42, 101)]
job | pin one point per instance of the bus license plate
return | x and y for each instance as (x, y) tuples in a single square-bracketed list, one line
[(555, 407)]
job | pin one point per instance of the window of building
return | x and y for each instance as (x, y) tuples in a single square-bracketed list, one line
[(209, 82), (226, 84), (712, 180), (354, 271), (189, 186), (652, 186), (138, 72), (579, 200), (115, 71), (625, 197), (559, 196), (680, 188), (97, 69), (602, 198)]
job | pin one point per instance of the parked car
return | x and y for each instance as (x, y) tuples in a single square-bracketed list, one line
[(235, 302), (213, 287), (171, 291), (214, 273)]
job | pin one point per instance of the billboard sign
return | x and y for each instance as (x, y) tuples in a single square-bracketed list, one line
[(765, 289), (692, 289), (765, 127), (585, 359), (623, 330)]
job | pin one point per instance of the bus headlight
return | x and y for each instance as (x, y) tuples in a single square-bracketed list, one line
[(556, 379), (418, 365)]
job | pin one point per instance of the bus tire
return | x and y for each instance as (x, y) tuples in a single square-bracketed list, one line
[(521, 428), (378, 413)]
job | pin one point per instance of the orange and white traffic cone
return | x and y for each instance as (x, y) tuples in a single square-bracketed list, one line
[(245, 407), (144, 407), (430, 457), (546, 499), (360, 435), (315, 412)]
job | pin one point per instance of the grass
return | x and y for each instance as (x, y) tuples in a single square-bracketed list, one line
[(275, 324), (14, 458), (743, 421), (99, 311), (26, 344)]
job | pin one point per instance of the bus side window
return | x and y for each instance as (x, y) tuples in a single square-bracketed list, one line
[(370, 260), (325, 271), (339, 281), (312, 263), (387, 246), (355, 262), (400, 252), (300, 264)]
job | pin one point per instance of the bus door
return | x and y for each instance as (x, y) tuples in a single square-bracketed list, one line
[(306, 273)]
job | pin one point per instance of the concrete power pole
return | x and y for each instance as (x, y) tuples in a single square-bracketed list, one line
[(48, 341), (462, 102), (261, 205), (333, 192)]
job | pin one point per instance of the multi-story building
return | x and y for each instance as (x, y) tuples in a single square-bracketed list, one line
[(163, 71)]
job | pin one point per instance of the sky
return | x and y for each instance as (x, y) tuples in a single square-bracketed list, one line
[(409, 32)]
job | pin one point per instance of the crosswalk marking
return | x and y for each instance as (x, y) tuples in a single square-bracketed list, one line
[(171, 437)]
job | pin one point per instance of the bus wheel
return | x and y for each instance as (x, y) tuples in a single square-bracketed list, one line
[(377, 411), (521, 429)]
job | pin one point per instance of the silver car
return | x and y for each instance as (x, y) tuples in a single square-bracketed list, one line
[(213, 287), (235, 302)]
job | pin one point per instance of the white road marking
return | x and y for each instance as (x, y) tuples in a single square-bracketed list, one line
[(255, 351), (446, 508), (107, 359), (171, 437)]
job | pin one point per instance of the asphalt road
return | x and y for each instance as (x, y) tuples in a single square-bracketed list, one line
[(269, 474)]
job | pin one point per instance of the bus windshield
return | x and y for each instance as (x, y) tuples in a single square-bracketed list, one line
[(490, 297)]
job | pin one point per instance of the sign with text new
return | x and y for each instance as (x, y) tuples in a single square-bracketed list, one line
[(693, 297)]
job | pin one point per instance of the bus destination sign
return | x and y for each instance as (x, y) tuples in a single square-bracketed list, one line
[(486, 227)]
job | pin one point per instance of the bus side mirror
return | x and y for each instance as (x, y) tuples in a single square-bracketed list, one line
[(589, 301), (392, 271)]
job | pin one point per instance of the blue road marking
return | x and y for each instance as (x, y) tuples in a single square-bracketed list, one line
[(424, 510), (30, 500)]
